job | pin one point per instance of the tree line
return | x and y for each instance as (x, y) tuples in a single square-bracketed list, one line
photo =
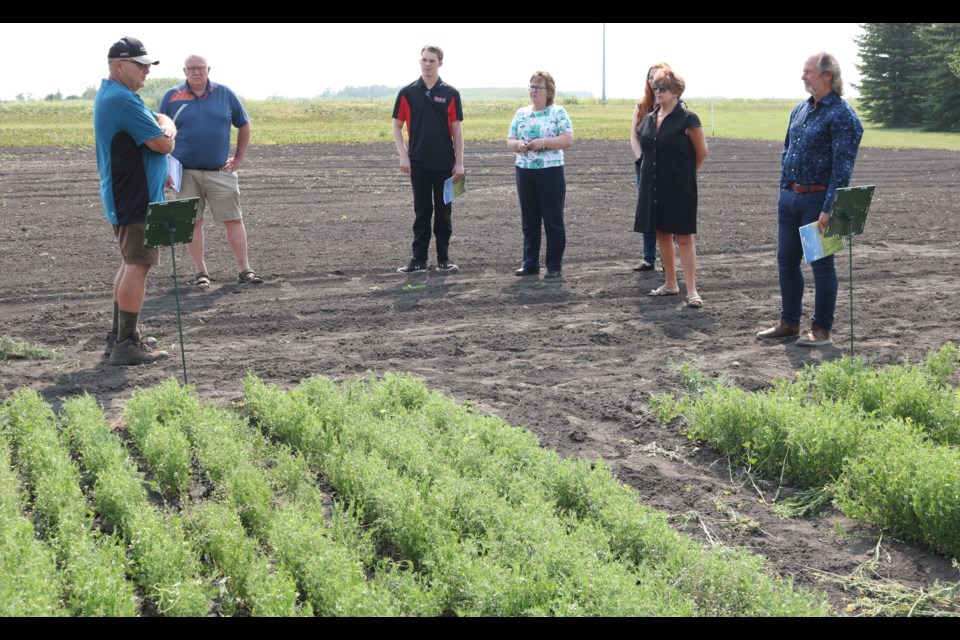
[(154, 88), (910, 74)]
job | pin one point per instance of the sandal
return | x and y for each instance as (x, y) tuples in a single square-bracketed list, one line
[(694, 301), (662, 291), (201, 280), (247, 276)]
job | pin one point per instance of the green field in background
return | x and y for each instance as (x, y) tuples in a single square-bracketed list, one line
[(70, 123)]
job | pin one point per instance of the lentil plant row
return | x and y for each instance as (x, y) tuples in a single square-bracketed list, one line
[(366, 498), (29, 582), (881, 443), (93, 565)]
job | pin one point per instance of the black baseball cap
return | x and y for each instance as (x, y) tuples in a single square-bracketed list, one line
[(128, 48)]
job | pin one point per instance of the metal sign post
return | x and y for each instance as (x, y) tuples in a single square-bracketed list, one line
[(169, 224), (848, 219)]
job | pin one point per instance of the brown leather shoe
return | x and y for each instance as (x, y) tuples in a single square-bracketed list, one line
[(780, 330), (816, 337), (135, 350), (112, 340)]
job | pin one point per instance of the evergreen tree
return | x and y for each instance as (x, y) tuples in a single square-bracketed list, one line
[(941, 100), (892, 71)]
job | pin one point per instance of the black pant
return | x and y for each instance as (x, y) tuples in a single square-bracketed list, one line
[(542, 193), (427, 197)]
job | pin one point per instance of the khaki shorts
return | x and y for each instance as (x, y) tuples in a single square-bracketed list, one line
[(217, 190), (130, 239)]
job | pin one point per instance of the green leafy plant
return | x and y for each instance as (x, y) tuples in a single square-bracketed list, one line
[(30, 584), (879, 442), (94, 565), (165, 448), (166, 565), (492, 522)]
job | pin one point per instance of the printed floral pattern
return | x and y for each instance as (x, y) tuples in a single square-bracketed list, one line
[(821, 145), (530, 125)]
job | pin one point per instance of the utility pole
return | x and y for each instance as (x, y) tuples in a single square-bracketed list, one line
[(603, 74)]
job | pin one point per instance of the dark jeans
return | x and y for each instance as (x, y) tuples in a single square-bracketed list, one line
[(649, 239), (793, 211), (542, 193), (650, 247), (427, 198)]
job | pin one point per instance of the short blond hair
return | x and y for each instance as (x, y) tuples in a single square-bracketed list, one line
[(432, 48)]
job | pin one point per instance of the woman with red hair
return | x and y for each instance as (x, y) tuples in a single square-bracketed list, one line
[(644, 107), (674, 148)]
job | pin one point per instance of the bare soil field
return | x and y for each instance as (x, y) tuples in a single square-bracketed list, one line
[(575, 361)]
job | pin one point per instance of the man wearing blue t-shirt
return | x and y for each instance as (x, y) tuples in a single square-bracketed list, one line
[(204, 112), (132, 145)]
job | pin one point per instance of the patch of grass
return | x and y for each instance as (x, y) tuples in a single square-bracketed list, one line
[(312, 121), (19, 349)]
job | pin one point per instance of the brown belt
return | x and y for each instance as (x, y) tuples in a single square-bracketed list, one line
[(807, 188)]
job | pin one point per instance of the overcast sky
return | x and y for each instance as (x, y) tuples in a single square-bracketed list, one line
[(736, 60)]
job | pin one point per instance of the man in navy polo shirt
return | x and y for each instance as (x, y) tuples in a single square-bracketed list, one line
[(432, 111), (204, 112), (132, 145)]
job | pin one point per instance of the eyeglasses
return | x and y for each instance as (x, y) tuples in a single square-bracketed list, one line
[(139, 64), (661, 87), (196, 69), (537, 87)]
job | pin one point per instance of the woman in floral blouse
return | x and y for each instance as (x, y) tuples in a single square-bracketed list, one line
[(538, 135)]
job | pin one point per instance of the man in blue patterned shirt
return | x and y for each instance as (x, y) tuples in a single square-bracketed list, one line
[(819, 152)]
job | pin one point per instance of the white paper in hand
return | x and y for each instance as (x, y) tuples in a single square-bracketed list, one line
[(175, 171)]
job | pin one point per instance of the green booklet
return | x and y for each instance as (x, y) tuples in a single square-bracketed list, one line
[(453, 189), (816, 245)]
